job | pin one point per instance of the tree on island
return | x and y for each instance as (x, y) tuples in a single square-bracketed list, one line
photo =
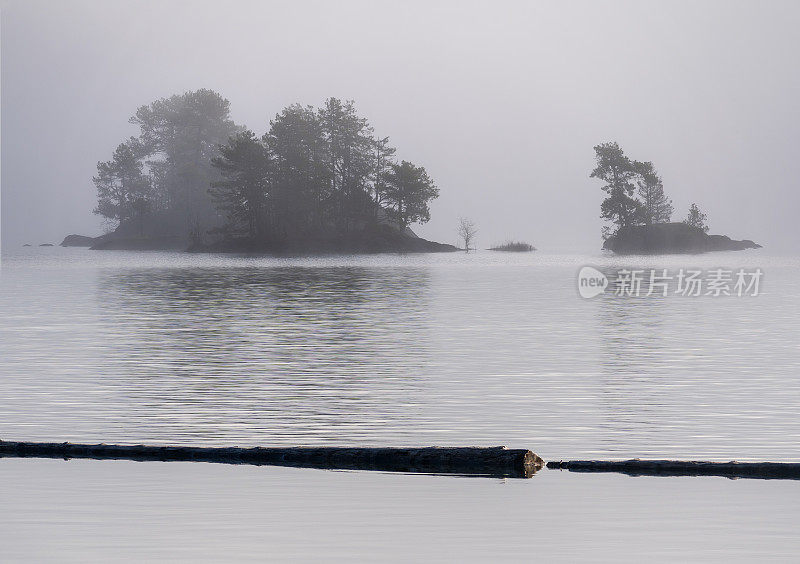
[(466, 231), (407, 191), (123, 191), (383, 165), (635, 191), (178, 138), (315, 174), (618, 173), (351, 160), (246, 167), (303, 186), (642, 220), (696, 218), (656, 207)]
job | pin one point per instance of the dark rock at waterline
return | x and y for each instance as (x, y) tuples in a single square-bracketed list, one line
[(382, 238), (26, 245), (113, 243), (78, 241), (725, 243), (47, 245), (671, 238), (372, 239)]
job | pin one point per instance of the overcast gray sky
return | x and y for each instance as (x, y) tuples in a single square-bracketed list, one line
[(502, 102)]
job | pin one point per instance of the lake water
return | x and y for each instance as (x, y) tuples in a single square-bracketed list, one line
[(444, 349)]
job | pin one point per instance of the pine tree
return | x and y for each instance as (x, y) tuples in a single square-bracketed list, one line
[(696, 218), (246, 168), (408, 193), (123, 191), (618, 173), (656, 207)]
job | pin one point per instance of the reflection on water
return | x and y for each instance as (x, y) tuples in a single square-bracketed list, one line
[(706, 374), (286, 352), (419, 350)]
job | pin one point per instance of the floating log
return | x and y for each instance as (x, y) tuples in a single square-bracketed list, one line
[(472, 461), (638, 467)]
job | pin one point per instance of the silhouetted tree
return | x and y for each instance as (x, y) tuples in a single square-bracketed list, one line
[(123, 191), (315, 173), (618, 173), (303, 176), (181, 135), (408, 192), (696, 218), (246, 168), (350, 141), (656, 207), (383, 154), (466, 231)]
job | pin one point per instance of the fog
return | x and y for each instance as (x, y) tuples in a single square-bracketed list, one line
[(502, 102)]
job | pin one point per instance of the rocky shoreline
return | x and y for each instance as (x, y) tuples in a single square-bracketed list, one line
[(380, 239), (671, 238)]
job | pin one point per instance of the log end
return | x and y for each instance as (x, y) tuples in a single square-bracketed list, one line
[(529, 463)]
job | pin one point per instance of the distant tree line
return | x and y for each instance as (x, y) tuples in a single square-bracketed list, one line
[(634, 192), (315, 172)]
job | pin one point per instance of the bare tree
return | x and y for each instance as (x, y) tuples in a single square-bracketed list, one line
[(466, 231)]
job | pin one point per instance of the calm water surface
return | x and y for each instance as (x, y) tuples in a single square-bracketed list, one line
[(452, 349)]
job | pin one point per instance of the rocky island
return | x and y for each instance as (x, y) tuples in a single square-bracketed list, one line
[(371, 239), (641, 213), (661, 238), (317, 181)]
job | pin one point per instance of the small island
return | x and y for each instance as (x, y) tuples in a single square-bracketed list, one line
[(662, 238), (318, 181), (641, 214), (513, 247)]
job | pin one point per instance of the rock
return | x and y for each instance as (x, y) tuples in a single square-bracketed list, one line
[(371, 239), (78, 241), (26, 245), (666, 238), (381, 238), (47, 245), (114, 243)]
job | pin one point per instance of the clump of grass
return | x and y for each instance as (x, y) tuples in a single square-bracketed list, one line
[(514, 247)]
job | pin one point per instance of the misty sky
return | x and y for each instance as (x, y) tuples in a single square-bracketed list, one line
[(502, 102)]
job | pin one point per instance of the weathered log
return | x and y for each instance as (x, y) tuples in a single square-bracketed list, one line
[(472, 461), (638, 467)]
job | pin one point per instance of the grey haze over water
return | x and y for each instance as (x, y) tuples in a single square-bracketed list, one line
[(501, 102)]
